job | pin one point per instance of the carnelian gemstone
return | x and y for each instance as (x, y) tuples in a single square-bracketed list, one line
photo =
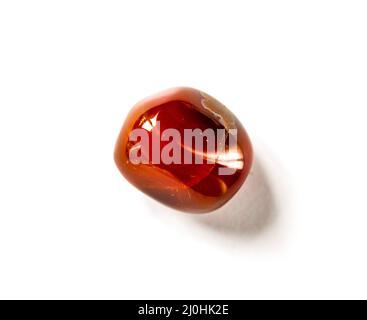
[(197, 186)]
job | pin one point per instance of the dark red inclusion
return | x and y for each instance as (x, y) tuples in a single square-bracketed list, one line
[(182, 115)]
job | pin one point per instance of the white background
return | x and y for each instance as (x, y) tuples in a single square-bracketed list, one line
[(295, 74)]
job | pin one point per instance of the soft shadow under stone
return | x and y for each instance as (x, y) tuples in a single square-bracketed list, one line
[(251, 210)]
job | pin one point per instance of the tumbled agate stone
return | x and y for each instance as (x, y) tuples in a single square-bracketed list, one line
[(185, 149)]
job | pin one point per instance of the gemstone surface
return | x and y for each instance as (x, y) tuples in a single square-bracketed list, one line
[(185, 149)]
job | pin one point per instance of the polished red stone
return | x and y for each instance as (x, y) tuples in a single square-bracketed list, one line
[(196, 187)]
